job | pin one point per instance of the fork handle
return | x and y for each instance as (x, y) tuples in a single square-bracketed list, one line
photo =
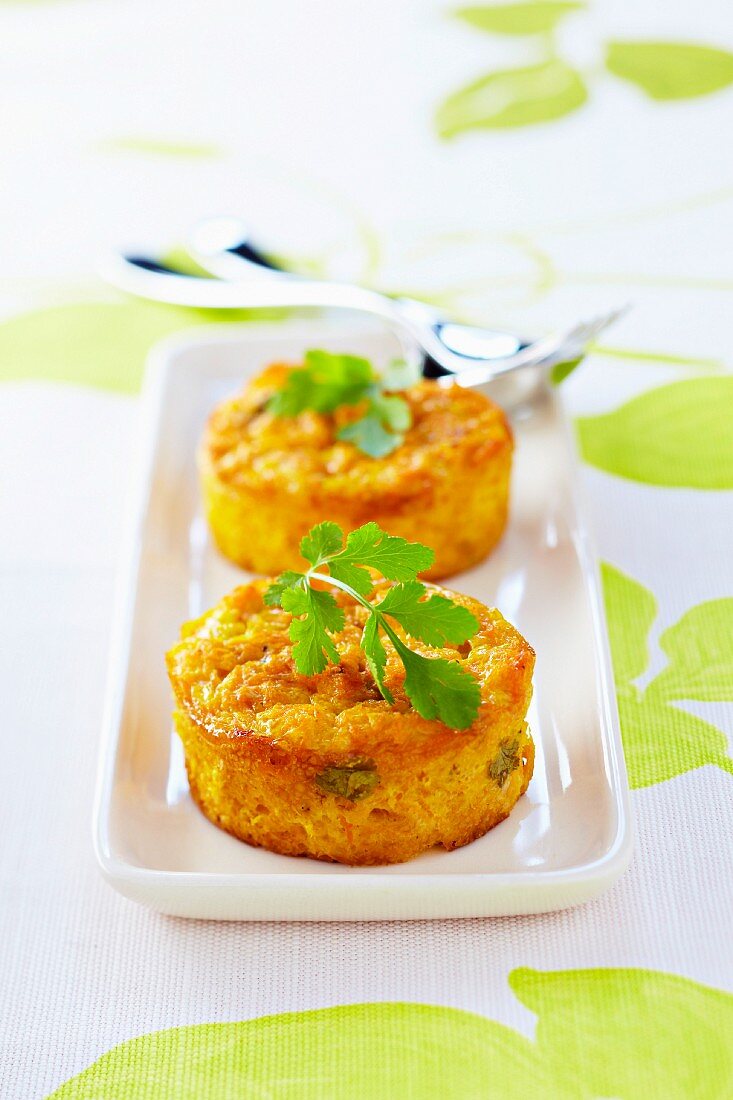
[(141, 277)]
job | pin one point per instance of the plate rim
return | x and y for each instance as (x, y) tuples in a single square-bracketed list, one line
[(133, 880)]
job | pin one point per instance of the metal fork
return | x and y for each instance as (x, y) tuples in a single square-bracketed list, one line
[(463, 354), (566, 346)]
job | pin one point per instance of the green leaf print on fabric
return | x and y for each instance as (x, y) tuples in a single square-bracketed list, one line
[(101, 344), (513, 97), (661, 740), (551, 89), (369, 1052), (630, 613), (677, 435), (700, 651), (157, 147), (561, 371), (630, 1034), (671, 70), (532, 18)]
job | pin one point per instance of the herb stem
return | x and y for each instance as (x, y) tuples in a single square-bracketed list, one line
[(344, 588), (391, 633), (372, 608)]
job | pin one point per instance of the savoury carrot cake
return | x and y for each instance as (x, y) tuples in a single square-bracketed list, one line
[(332, 440), (361, 721)]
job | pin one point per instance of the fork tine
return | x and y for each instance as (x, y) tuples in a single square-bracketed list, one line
[(562, 347), (595, 327)]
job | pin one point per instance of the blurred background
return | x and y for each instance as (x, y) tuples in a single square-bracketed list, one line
[(516, 164)]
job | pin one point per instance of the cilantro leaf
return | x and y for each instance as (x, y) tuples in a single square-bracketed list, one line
[(376, 655), (394, 557), (434, 621), (440, 689), (369, 435), (321, 614), (323, 383), (294, 397), (400, 375), (321, 542), (289, 579), (352, 575), (394, 412), (327, 381), (437, 688), (339, 379)]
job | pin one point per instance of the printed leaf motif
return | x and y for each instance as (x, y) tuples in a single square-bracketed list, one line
[(531, 18), (184, 150), (513, 97), (662, 740), (369, 1051), (677, 435), (632, 1034), (100, 344), (700, 651), (561, 371), (630, 612), (671, 70)]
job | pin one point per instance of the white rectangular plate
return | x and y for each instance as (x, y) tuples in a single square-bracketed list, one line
[(567, 839)]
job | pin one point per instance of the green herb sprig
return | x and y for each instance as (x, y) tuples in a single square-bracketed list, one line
[(326, 382), (437, 688)]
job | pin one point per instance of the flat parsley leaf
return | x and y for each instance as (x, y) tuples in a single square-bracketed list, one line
[(319, 616), (440, 689), (327, 382), (391, 411), (394, 557), (437, 688), (376, 655), (273, 595), (352, 575), (369, 434), (324, 383), (400, 375), (434, 620), (321, 542)]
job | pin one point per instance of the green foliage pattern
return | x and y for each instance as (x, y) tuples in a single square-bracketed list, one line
[(644, 1034), (660, 739), (677, 436), (551, 88)]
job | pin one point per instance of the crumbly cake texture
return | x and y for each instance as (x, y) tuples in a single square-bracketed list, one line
[(267, 480), (322, 765)]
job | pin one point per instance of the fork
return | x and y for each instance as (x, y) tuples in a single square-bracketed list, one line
[(453, 352), (566, 346)]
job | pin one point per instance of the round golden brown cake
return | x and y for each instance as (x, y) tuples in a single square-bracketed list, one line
[(267, 480), (322, 765)]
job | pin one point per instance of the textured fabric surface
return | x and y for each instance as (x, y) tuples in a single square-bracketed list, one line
[(522, 168)]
